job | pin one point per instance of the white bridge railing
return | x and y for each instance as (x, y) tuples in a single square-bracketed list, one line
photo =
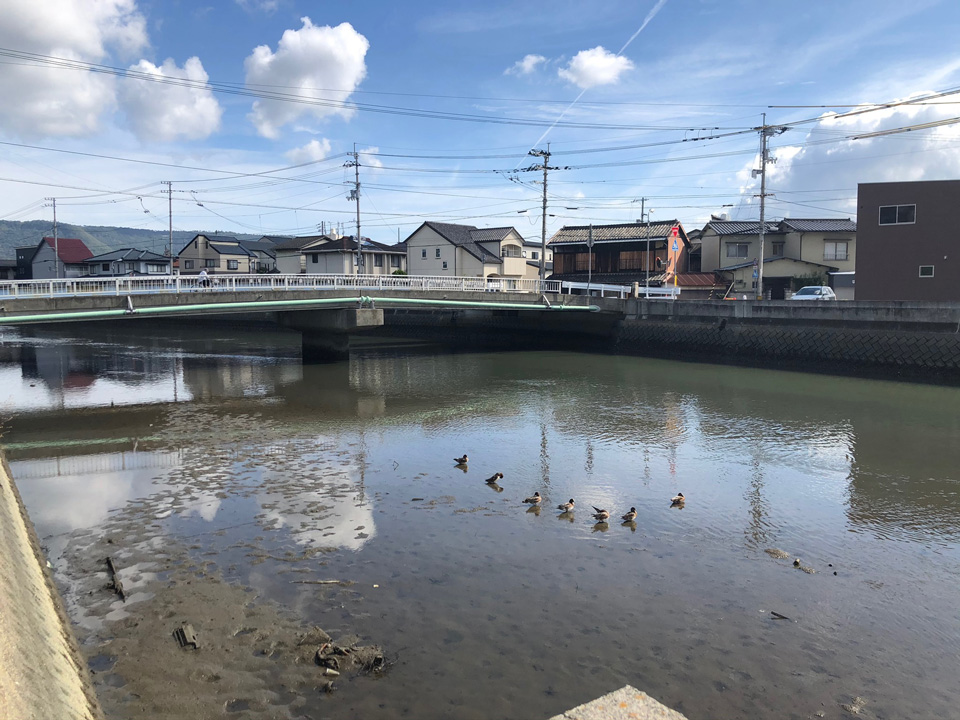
[(175, 284), (668, 292)]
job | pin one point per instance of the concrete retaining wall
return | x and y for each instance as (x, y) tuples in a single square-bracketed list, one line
[(905, 340), (42, 673)]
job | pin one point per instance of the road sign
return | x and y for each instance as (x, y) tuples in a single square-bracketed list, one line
[(755, 274), (676, 231), (675, 246)]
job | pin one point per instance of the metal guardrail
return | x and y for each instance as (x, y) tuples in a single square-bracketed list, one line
[(177, 284), (668, 292)]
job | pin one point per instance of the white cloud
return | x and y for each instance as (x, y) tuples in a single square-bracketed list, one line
[(598, 66), (40, 100), (158, 111), (367, 158), (266, 6), (836, 167), (311, 152), (525, 66), (307, 61)]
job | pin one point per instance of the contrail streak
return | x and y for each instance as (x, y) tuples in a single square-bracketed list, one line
[(646, 21)]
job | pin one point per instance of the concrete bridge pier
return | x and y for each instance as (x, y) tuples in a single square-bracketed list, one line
[(326, 333)]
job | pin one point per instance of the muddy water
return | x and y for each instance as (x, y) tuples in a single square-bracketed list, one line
[(218, 461)]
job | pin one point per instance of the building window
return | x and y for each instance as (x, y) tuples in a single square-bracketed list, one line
[(188, 264), (835, 250), (926, 271), (105, 267), (314, 258), (378, 260), (438, 252), (898, 214), (395, 261), (233, 264), (423, 253), (210, 263), (738, 250), (778, 249), (534, 255), (156, 268), (444, 264)]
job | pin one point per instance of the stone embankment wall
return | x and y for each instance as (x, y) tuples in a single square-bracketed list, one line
[(42, 673), (897, 340)]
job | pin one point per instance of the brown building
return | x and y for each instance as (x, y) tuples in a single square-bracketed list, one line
[(906, 245)]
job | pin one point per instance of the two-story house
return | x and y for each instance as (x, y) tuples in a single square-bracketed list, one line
[(338, 256), (215, 254), (906, 244), (59, 258), (467, 251), (620, 254), (796, 252)]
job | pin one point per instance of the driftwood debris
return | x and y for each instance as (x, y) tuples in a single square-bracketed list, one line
[(115, 580)]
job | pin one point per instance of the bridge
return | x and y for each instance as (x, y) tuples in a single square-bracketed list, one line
[(30, 302)]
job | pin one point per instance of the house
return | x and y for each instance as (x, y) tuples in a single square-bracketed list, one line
[(467, 251), (287, 253), (531, 251), (59, 258), (906, 246), (24, 268), (796, 252), (338, 256), (8, 269), (215, 254), (128, 262), (264, 251), (621, 254)]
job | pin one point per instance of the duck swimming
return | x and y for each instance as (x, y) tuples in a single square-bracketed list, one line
[(567, 506), (461, 460), (630, 516), (600, 514), (492, 480), (677, 499), (534, 499)]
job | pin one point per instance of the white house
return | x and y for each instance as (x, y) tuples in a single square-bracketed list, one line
[(128, 262), (467, 251)]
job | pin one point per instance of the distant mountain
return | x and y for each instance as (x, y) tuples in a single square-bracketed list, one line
[(98, 238)]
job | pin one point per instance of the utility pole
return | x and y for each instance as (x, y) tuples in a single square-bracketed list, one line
[(56, 239), (765, 132), (645, 215), (590, 258), (169, 185), (355, 195), (545, 154)]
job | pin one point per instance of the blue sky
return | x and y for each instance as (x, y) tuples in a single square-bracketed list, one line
[(259, 100)]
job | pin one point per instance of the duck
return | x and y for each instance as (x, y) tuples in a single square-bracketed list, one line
[(461, 460), (630, 516), (677, 499), (567, 506), (796, 562), (492, 480), (600, 514), (534, 499)]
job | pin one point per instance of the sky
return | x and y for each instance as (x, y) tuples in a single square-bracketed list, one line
[(251, 110)]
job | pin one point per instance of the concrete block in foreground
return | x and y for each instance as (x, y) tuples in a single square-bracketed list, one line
[(627, 703)]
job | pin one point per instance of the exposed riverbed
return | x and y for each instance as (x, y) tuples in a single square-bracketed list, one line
[(227, 479)]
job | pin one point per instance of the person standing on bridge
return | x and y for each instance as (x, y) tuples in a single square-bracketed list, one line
[(203, 280)]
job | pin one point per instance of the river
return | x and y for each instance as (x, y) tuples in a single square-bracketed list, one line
[(217, 455)]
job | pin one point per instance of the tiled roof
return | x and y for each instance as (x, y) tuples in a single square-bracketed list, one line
[(347, 243), (70, 250), (614, 233), (697, 280), (128, 254), (768, 260), (299, 242), (466, 236), (749, 227), (265, 247), (826, 225), (220, 238), (275, 239), (229, 248), (482, 235)]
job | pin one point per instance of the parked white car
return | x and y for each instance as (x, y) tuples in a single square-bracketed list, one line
[(815, 292)]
